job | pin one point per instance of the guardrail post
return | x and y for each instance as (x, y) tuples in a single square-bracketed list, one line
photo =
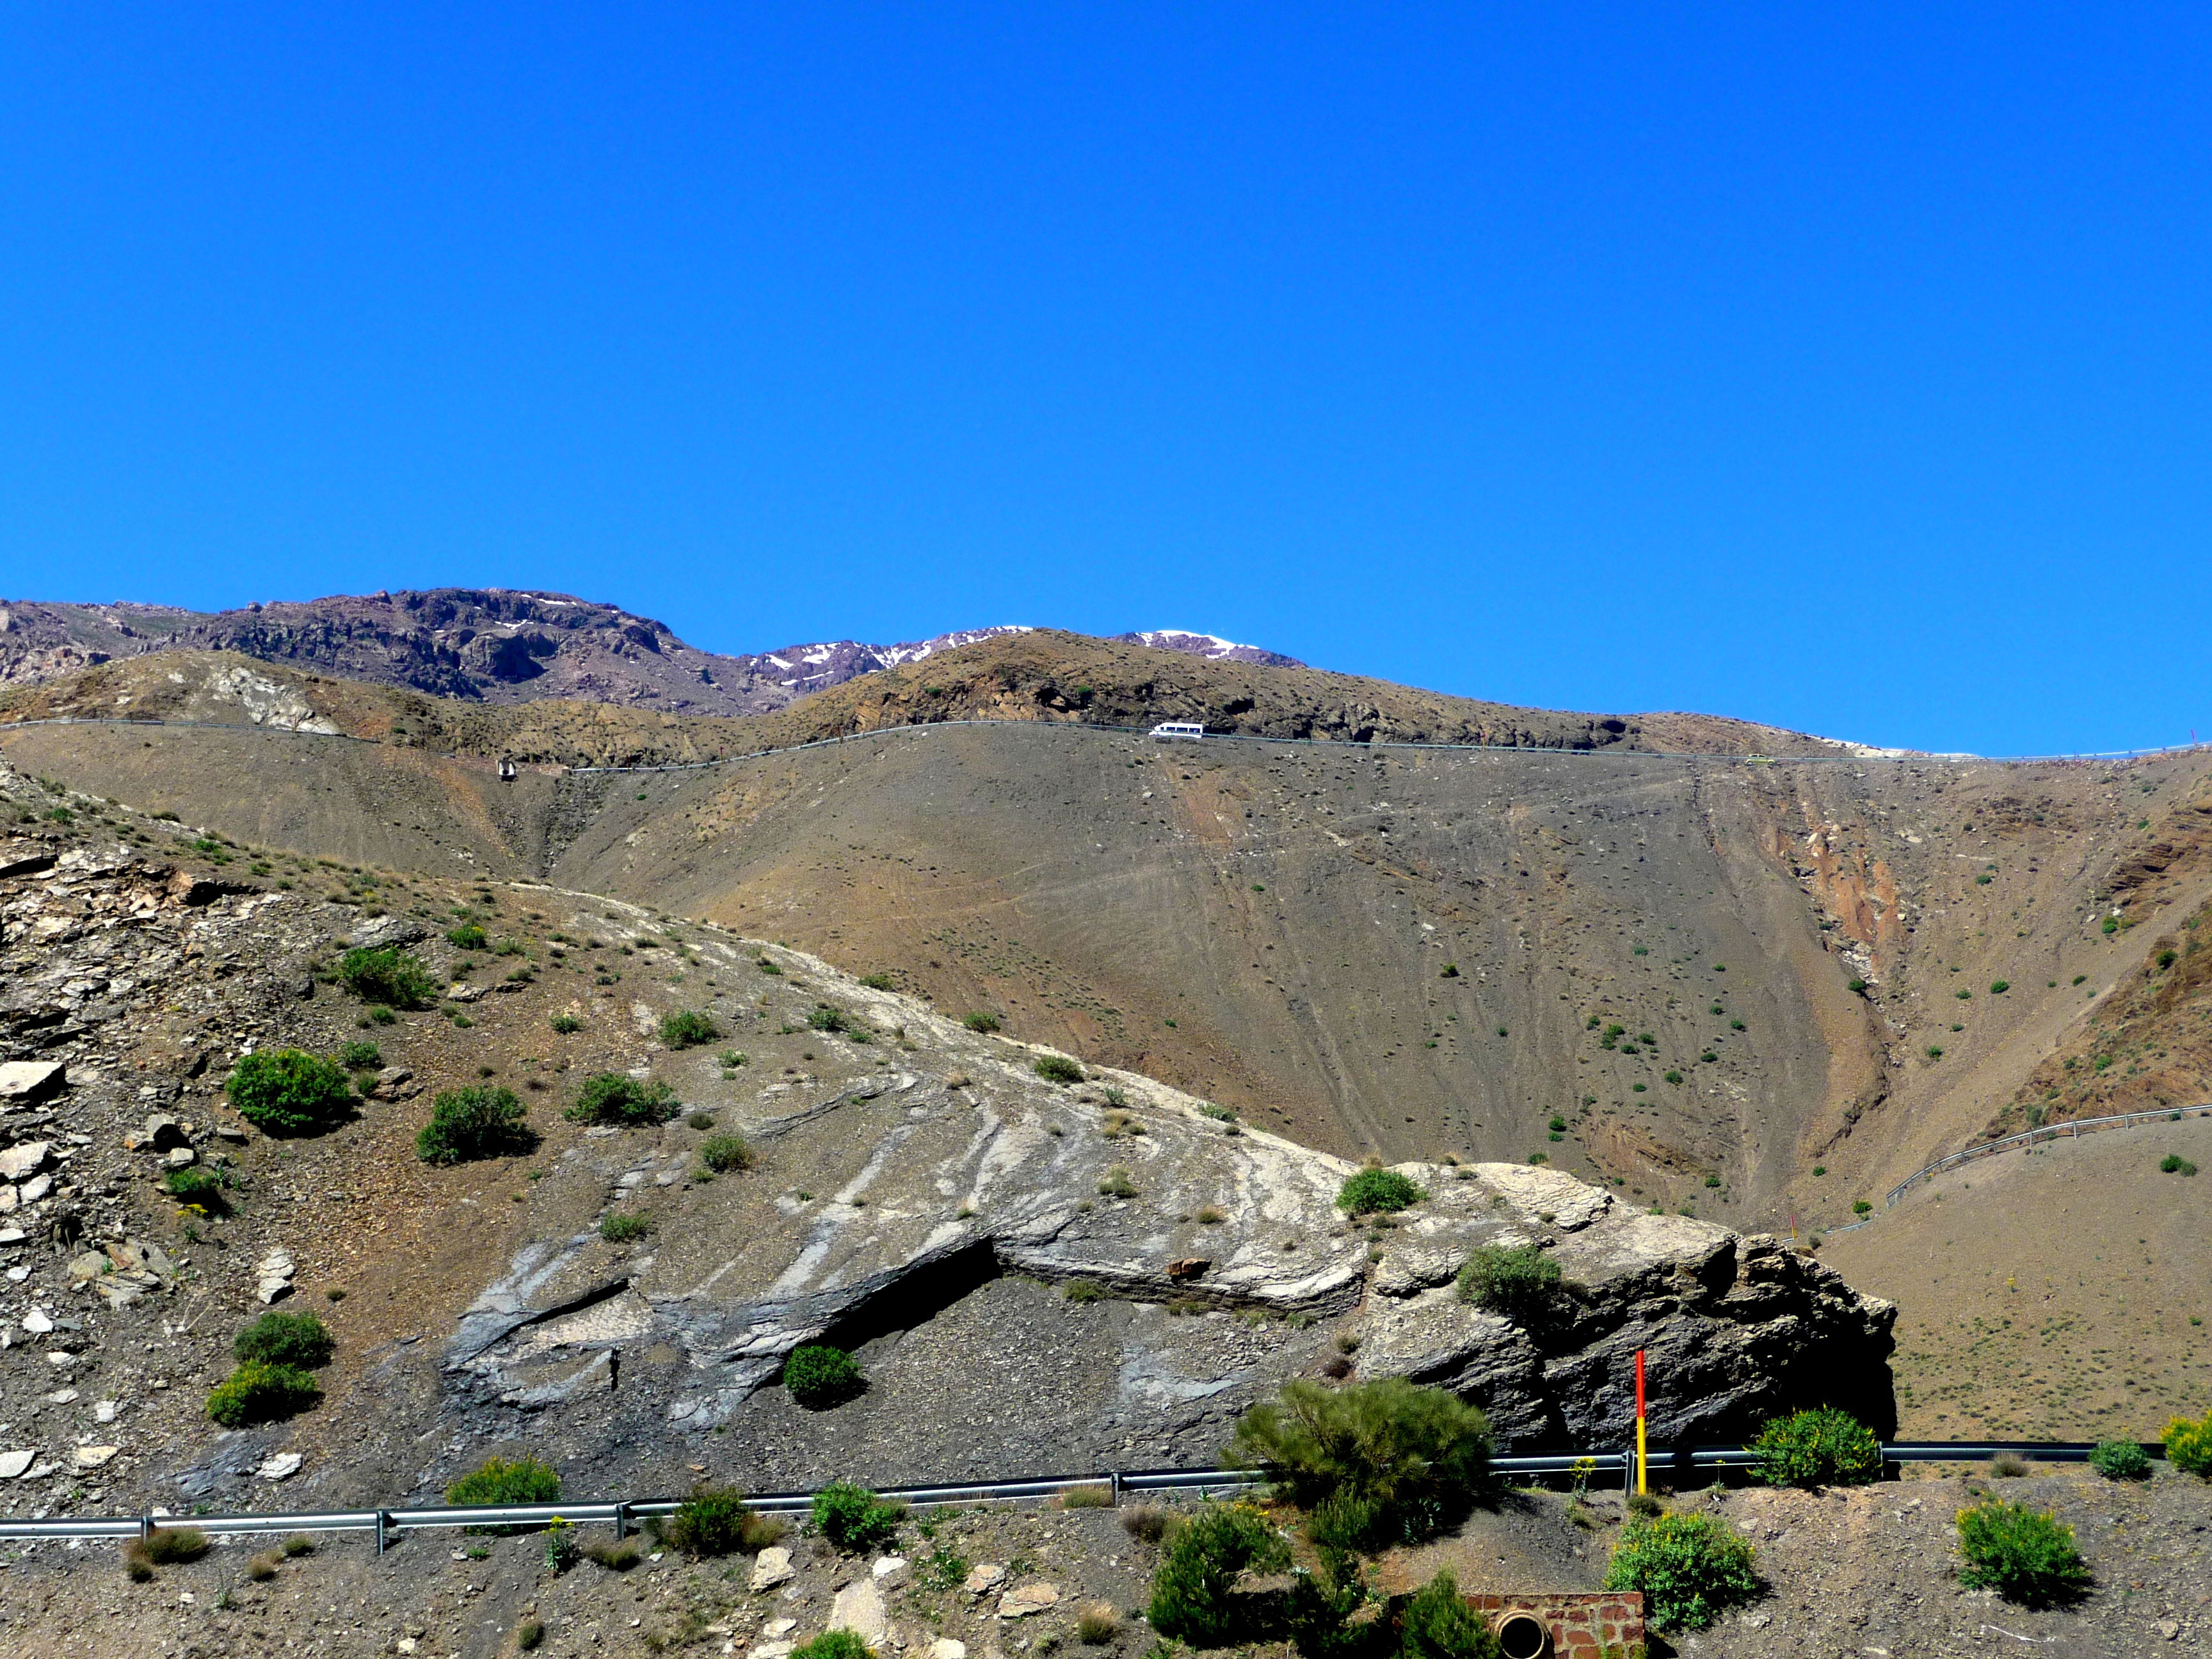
[(1114, 1485), (622, 1515), (382, 1517), (145, 1526)]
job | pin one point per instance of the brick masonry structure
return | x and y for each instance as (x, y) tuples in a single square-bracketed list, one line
[(1583, 1623)]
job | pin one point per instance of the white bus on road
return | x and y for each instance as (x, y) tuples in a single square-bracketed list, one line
[(1178, 729)]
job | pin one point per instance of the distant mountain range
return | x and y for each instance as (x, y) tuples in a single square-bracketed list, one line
[(495, 645)]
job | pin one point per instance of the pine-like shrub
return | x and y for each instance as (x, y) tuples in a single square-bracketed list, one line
[(1819, 1447), (288, 1091), (1192, 1599), (473, 1122), (2025, 1555), (1371, 1464), (1690, 1569)]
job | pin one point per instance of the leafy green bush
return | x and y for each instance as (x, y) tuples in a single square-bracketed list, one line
[(468, 936), (833, 1644), (257, 1393), (687, 1028), (1373, 1191), (1819, 1447), (1373, 1463), (1057, 1068), (390, 975), (879, 981), (827, 1018), (622, 1226), (360, 1056), (477, 1122), (614, 1097), (853, 1518), (2119, 1460), (1517, 1280), (723, 1153), (498, 1481), (1198, 1569), (981, 1020), (283, 1339), (565, 1024), (819, 1377), (2174, 1163), (1439, 1624), (1690, 1568), (713, 1520), (200, 1186), (2188, 1445), (2025, 1555), (289, 1091)]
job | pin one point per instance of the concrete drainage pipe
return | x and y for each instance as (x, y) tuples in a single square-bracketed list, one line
[(1523, 1636)]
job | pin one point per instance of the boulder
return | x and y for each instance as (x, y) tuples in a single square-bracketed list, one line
[(859, 1608), (771, 1567), (20, 1163), (27, 1082), (1023, 1600), (12, 1463), (984, 1577), (385, 932), (160, 1134), (181, 1157)]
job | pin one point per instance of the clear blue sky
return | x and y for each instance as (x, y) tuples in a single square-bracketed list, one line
[(1841, 368)]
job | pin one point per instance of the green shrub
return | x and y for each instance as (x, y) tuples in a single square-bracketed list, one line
[(166, 1545), (1372, 1191), (200, 1186), (468, 936), (360, 1056), (853, 1518), (283, 1339), (1819, 1447), (1117, 1183), (477, 1122), (2119, 1460), (879, 981), (981, 1020), (723, 1153), (259, 1393), (827, 1018), (1192, 1599), (1081, 1291), (622, 1226), (497, 1480), (833, 1644), (2188, 1445), (2025, 1555), (615, 1097), (1690, 1568), (565, 1024), (687, 1028), (819, 1377), (289, 1091), (2174, 1163), (1057, 1068), (1372, 1463), (391, 976), (712, 1521), (1439, 1624), (1517, 1280)]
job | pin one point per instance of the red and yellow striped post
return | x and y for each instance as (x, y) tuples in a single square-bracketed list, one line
[(1639, 1420)]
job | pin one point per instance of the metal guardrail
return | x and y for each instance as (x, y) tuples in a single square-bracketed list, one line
[(2071, 1130), (386, 1524)]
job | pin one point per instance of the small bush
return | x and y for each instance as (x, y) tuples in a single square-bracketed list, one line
[(767, 966), (1372, 1463), (263, 1567), (1146, 1523), (853, 1518), (820, 1378), (261, 1394), (529, 1635), (711, 1521), (2174, 1163), (474, 1122), (833, 1644), (1087, 1498), (2119, 1460), (2188, 1445), (613, 1556), (566, 1024), (1690, 1568), (624, 1226), (1517, 1280), (283, 1339), (390, 977), (1820, 1447), (1439, 1624), (195, 1186), (981, 1020), (1081, 1291), (297, 1545), (2025, 1555), (360, 1056), (614, 1097), (723, 1153), (1117, 1183), (879, 981), (687, 1028), (468, 936), (498, 1481), (289, 1091), (1192, 1598), (1097, 1624), (700, 1120), (826, 1019), (2007, 1467), (1057, 1068), (165, 1545), (1377, 1191), (1862, 1206)]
